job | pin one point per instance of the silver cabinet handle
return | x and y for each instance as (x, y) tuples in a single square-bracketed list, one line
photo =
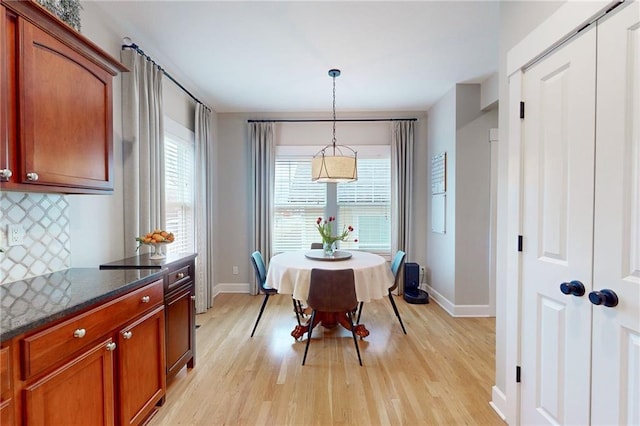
[(193, 298), (111, 346), (5, 174), (32, 176), (180, 275), (127, 335), (145, 299), (79, 333)]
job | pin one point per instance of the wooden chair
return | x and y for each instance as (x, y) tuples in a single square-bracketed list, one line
[(332, 291), (316, 246), (396, 266), (261, 277)]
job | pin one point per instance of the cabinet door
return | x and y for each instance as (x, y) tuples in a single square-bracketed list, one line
[(558, 144), (616, 260), (65, 115), (141, 352), (180, 318), (80, 392), (8, 23)]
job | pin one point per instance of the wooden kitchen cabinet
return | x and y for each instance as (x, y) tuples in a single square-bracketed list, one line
[(104, 366), (180, 311), (141, 377), (81, 392), (57, 134), (6, 387)]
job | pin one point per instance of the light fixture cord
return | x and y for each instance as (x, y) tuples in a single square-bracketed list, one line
[(334, 115)]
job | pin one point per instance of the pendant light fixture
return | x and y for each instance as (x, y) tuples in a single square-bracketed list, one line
[(334, 163)]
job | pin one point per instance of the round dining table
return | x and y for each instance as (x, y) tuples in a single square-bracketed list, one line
[(290, 273)]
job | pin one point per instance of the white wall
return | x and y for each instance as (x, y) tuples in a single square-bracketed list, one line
[(458, 260), (441, 137), (473, 178)]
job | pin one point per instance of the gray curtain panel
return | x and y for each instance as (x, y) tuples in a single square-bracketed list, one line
[(205, 208), (143, 148), (263, 161), (402, 185)]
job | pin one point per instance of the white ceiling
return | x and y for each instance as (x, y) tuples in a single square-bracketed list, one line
[(265, 56)]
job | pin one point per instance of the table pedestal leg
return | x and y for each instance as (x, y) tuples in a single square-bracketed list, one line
[(330, 320)]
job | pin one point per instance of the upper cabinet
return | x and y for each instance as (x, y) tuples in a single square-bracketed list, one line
[(56, 131)]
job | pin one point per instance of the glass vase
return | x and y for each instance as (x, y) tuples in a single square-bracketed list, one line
[(329, 248)]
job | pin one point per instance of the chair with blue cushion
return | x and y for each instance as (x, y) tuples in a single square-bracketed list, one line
[(396, 266), (261, 277)]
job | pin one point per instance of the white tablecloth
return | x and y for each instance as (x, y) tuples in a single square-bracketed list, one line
[(290, 273)]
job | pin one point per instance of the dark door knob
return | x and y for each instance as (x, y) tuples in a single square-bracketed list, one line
[(604, 297), (574, 287)]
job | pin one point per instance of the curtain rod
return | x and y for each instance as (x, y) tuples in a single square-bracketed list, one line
[(302, 120), (135, 47)]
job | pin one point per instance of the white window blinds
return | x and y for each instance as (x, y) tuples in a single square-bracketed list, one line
[(366, 205), (298, 202), (179, 169)]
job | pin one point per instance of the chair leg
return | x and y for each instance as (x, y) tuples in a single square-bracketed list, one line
[(295, 309), (355, 340), (359, 312), (395, 309), (306, 348), (264, 303)]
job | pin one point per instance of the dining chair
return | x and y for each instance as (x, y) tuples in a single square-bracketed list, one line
[(332, 291), (261, 277), (315, 246), (396, 266)]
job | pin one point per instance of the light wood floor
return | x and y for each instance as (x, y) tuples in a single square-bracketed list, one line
[(440, 373)]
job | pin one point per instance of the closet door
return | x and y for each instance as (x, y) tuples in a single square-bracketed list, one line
[(616, 263), (558, 167)]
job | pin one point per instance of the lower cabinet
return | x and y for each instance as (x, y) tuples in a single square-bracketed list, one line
[(180, 315), (81, 392), (105, 366), (180, 323), (141, 375), (6, 388)]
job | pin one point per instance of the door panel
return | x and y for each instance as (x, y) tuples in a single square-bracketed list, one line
[(616, 330), (558, 158)]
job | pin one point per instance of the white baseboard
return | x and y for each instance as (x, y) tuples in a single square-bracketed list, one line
[(498, 402), (459, 310), (230, 288)]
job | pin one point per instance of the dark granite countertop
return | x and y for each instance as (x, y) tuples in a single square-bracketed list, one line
[(28, 304), (143, 261)]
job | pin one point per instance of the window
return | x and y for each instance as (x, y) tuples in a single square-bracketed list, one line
[(364, 204), (179, 169), (298, 202)]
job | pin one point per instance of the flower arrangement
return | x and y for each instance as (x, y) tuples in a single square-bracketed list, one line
[(324, 228)]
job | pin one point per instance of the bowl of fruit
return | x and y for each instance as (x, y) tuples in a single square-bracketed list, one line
[(156, 239)]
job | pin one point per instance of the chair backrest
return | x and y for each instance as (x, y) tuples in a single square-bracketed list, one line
[(332, 290), (261, 270), (316, 245), (396, 266)]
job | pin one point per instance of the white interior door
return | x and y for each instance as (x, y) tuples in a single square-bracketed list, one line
[(616, 264), (558, 195)]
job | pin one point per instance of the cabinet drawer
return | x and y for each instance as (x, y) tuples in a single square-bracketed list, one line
[(54, 344), (179, 276)]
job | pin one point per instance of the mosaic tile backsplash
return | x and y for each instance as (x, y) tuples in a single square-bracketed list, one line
[(46, 248)]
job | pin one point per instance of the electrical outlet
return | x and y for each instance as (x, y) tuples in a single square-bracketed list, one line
[(235, 270), (15, 235)]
